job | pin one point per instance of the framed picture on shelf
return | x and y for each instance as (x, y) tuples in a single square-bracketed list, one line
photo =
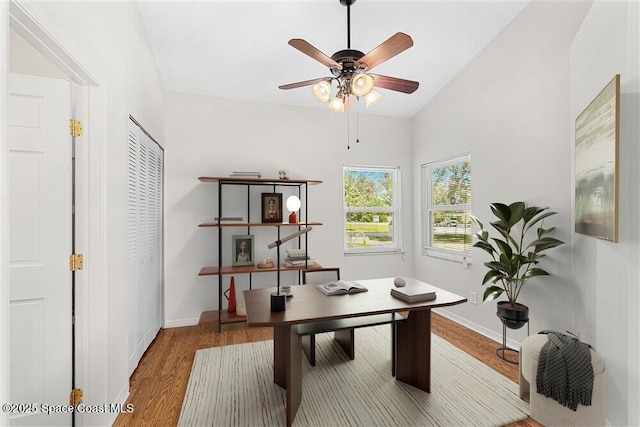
[(271, 207), (242, 250)]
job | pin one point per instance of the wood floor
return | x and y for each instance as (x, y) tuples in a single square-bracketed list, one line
[(159, 383)]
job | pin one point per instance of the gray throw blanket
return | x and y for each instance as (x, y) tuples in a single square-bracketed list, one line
[(565, 373)]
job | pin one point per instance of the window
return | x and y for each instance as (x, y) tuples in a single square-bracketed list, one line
[(446, 217), (371, 209)]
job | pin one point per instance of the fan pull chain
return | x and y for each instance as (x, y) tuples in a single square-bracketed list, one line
[(348, 131), (357, 122)]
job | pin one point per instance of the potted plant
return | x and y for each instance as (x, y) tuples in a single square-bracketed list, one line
[(515, 256)]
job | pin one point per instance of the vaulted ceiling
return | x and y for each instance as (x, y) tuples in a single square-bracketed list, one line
[(238, 49)]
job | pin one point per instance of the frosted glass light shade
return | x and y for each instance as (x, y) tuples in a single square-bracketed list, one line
[(322, 91), (336, 105), (362, 84), (371, 98), (293, 204)]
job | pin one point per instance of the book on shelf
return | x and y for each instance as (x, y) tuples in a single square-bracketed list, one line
[(229, 218), (298, 263), (296, 252), (297, 258), (414, 293), (246, 174), (342, 287)]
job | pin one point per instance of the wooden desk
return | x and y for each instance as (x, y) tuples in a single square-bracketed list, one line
[(413, 337)]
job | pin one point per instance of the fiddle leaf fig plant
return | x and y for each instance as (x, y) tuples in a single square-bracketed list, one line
[(515, 252)]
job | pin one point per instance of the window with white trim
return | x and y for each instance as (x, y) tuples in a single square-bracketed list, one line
[(371, 202), (446, 211)]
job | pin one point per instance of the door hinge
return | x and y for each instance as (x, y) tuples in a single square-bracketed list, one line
[(75, 262), (75, 127), (75, 398)]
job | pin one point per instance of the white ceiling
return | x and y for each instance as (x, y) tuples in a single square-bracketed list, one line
[(238, 49)]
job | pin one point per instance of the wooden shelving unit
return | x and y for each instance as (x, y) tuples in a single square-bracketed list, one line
[(267, 181), (258, 224), (247, 269), (216, 316), (222, 316)]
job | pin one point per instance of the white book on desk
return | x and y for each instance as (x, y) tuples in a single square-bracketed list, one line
[(414, 293), (342, 287)]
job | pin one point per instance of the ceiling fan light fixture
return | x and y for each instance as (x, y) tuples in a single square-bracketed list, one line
[(362, 84), (350, 69), (372, 98), (349, 101), (322, 91), (336, 105)]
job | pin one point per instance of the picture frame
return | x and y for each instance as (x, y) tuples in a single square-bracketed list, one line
[(271, 207), (596, 165), (243, 250)]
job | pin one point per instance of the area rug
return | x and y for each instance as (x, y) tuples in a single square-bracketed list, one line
[(233, 385)]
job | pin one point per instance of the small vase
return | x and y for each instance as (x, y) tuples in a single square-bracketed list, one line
[(230, 295)]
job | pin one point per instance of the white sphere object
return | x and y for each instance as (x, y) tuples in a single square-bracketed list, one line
[(293, 204), (399, 282)]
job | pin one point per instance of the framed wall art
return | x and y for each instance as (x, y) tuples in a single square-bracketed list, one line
[(596, 165), (243, 252), (271, 207)]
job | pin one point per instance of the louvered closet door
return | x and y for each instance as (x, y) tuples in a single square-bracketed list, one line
[(145, 237), (153, 292)]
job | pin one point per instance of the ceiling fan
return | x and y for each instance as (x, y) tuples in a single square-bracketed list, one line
[(351, 70)]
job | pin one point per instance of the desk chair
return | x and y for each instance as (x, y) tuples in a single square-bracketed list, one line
[(317, 276), (343, 333)]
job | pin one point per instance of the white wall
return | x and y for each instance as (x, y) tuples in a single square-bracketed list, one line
[(213, 137), (110, 36), (509, 108), (513, 107), (605, 276)]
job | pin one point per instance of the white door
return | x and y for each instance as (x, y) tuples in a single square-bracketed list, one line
[(144, 240), (39, 245)]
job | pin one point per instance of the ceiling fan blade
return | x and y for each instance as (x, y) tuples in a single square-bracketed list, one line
[(303, 83), (394, 83), (397, 43), (306, 48)]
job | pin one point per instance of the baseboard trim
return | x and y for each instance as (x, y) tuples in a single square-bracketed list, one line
[(511, 343), (181, 322), (120, 401)]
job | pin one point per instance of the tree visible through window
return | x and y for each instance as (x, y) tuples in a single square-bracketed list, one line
[(371, 209), (447, 208)]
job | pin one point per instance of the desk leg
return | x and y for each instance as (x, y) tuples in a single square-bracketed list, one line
[(309, 348), (346, 339), (287, 366), (413, 350)]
